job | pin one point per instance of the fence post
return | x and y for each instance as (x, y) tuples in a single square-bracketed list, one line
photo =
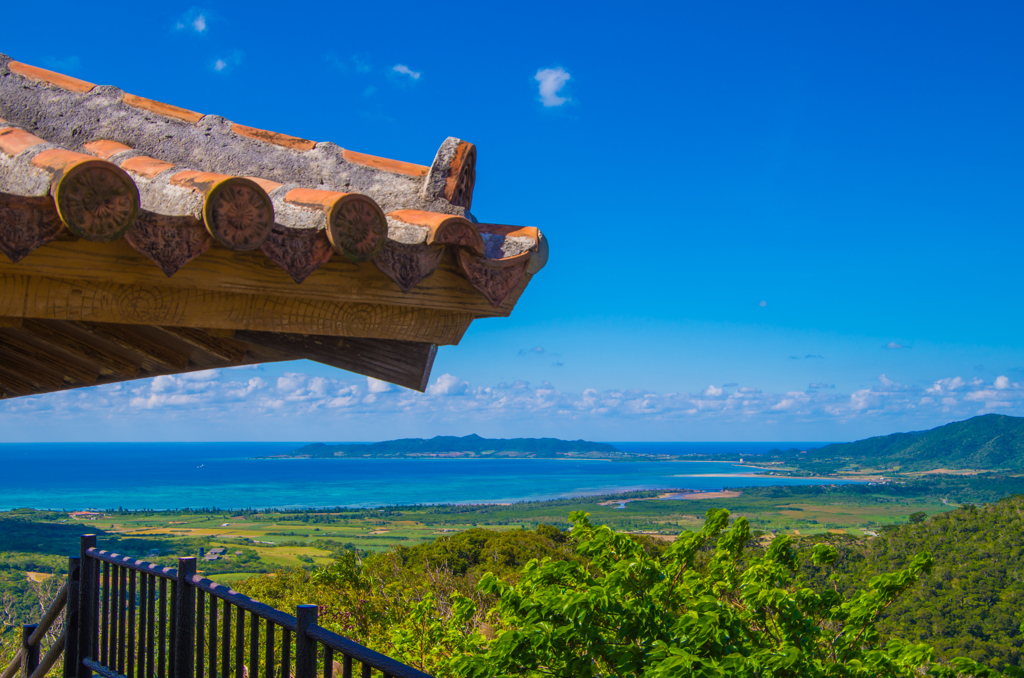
[(88, 599), (71, 617), (185, 620), (29, 653), (305, 647)]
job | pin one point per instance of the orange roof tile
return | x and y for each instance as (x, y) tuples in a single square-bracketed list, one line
[(13, 140), (147, 167), (295, 143), (386, 164), (162, 108), (43, 75), (105, 149)]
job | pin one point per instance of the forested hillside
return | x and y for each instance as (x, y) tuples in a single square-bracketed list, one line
[(972, 602), (992, 441)]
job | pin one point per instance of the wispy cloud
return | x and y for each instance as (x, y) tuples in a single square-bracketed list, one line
[(552, 80), (352, 64), (194, 20), (536, 350), (895, 346), (405, 70), (809, 356), (762, 303), (298, 400), (228, 63)]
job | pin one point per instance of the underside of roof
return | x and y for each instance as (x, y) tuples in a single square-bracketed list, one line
[(144, 239)]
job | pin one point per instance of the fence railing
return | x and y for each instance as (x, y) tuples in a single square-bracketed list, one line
[(126, 618)]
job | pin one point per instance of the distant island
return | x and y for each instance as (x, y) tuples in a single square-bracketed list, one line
[(469, 447)]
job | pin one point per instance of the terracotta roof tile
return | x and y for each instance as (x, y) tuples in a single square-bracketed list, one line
[(59, 159), (294, 143), (386, 164), (13, 140), (146, 166), (162, 108), (43, 75), (105, 149), (266, 184)]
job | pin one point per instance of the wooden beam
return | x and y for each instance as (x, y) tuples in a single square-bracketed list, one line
[(91, 353), (13, 383), (406, 363), (220, 270), (30, 371), (221, 349), (68, 368), (126, 337), (62, 299)]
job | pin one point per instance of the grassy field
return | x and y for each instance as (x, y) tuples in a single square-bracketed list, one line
[(262, 542)]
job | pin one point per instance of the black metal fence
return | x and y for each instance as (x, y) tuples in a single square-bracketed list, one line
[(125, 618)]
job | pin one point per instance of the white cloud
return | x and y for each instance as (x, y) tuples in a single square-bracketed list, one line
[(302, 400), (552, 80), (220, 65), (199, 23), (377, 386), (405, 70), (894, 346), (447, 385), (762, 303)]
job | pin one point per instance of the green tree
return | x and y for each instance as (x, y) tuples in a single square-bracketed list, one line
[(699, 609)]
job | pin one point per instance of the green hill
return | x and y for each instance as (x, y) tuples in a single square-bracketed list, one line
[(992, 441), (970, 604), (467, 446)]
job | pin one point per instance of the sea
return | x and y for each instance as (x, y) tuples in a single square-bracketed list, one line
[(75, 476)]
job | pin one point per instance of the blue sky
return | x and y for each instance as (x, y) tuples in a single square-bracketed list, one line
[(792, 221)]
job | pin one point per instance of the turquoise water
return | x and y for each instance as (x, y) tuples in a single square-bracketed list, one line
[(202, 475)]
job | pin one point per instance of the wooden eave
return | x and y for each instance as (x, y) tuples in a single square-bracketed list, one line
[(123, 263)]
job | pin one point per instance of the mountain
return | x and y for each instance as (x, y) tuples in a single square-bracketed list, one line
[(467, 446), (991, 441)]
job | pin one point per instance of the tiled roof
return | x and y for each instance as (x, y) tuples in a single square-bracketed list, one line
[(149, 239), (174, 182)]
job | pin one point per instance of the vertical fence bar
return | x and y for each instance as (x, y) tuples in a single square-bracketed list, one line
[(328, 662), (172, 621), (115, 611), (268, 661), (225, 655), (87, 600), (105, 622), (305, 647), (71, 616), (163, 629), (122, 616), (254, 645), (240, 643), (367, 669), (130, 644), (143, 636), (185, 627), (346, 667), (200, 633), (286, 653), (213, 636), (29, 653), (150, 624)]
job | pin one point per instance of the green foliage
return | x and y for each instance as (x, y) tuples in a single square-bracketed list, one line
[(972, 602), (700, 609)]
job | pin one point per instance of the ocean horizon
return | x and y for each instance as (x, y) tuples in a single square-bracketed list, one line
[(159, 476)]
